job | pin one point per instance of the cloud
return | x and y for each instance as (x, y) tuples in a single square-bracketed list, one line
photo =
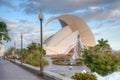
[(115, 13), (87, 9), (17, 27), (22, 26), (97, 34), (61, 6), (99, 13), (7, 4)]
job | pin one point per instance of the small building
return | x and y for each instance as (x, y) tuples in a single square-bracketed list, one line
[(2, 50)]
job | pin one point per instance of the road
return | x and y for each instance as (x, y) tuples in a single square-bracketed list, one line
[(10, 71)]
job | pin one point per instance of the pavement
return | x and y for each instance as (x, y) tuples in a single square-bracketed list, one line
[(68, 71), (10, 71)]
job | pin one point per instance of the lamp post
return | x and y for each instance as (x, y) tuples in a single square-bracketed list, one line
[(14, 50), (41, 54), (21, 36)]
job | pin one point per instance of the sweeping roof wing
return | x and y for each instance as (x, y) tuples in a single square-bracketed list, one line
[(76, 23)]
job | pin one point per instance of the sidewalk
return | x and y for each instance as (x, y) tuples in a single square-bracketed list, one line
[(10, 71), (48, 75), (65, 69)]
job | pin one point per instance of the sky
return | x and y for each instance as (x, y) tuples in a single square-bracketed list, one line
[(21, 17)]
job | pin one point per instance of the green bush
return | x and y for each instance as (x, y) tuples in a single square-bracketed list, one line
[(103, 64), (30, 55), (57, 62), (79, 61), (34, 59), (84, 76)]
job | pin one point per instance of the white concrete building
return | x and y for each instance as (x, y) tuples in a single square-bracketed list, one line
[(72, 38)]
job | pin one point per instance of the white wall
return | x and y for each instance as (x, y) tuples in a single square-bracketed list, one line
[(2, 50), (59, 36)]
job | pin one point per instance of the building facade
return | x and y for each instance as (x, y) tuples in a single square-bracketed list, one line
[(2, 50), (74, 36)]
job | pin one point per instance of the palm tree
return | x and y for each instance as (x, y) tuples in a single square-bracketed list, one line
[(103, 42), (32, 47), (3, 32), (104, 46)]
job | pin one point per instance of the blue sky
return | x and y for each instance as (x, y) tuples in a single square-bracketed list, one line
[(21, 16)]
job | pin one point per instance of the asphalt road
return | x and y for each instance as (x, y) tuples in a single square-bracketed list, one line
[(9, 71)]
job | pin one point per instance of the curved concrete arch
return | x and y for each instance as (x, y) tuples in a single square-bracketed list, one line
[(76, 23)]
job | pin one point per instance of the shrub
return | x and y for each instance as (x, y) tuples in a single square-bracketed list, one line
[(34, 59), (103, 64), (62, 74), (57, 62), (84, 76), (79, 61)]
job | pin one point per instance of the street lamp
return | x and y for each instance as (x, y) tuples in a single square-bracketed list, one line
[(41, 54), (21, 36), (14, 50)]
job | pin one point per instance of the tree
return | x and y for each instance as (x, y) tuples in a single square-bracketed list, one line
[(103, 45), (18, 52), (3, 32), (34, 59), (102, 42), (98, 62), (31, 47), (34, 46), (33, 56), (25, 54)]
